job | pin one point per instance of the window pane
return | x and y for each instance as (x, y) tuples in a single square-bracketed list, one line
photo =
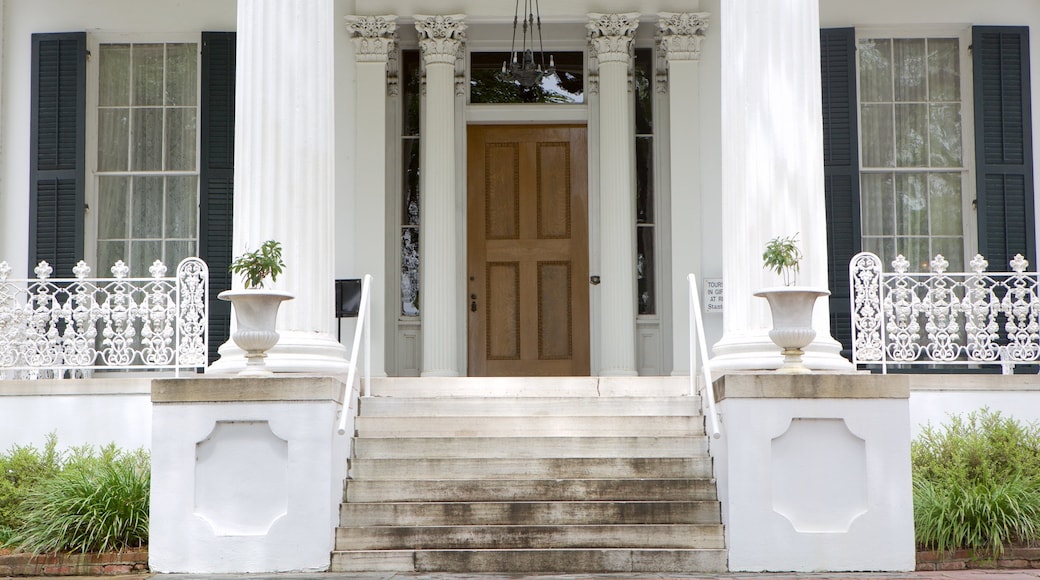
[(875, 69), (878, 207), (911, 204), (644, 180), (181, 74), (181, 206), (148, 74), (877, 140), (113, 139), (108, 253), (645, 270), (176, 251), (916, 251), (911, 133), (952, 249), (944, 134), (411, 78), (180, 139), (945, 200), (114, 75), (487, 85), (944, 69), (644, 89), (113, 193), (909, 78), (410, 206), (147, 208), (410, 271), (142, 254), (147, 139)]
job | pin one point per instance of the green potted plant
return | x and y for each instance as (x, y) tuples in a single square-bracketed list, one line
[(256, 308), (791, 306)]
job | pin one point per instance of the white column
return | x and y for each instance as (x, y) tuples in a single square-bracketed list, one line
[(610, 37), (680, 40), (441, 40), (772, 172), (375, 37), (284, 180)]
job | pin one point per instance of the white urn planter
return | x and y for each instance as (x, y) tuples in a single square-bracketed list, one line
[(792, 308), (256, 312)]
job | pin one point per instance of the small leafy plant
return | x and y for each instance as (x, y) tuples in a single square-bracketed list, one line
[(782, 256), (256, 266)]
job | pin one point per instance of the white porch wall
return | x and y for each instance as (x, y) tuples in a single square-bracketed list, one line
[(21, 19), (922, 14)]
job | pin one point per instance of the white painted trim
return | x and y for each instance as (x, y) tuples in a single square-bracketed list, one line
[(488, 114)]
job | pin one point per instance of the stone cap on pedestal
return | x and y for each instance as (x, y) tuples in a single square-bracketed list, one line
[(811, 386), (252, 389)]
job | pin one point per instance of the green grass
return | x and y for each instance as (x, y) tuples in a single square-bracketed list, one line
[(95, 501), (976, 484)]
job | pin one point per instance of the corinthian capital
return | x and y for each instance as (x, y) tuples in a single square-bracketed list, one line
[(375, 37), (681, 34), (441, 37), (611, 35)]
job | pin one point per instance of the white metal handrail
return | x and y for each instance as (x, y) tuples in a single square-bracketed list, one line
[(697, 337), (940, 317), (62, 325), (363, 330)]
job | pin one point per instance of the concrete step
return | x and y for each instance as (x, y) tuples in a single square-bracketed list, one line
[(577, 561), (517, 447), (561, 426), (436, 387), (534, 512), (483, 537), (529, 406), (454, 490), (555, 468)]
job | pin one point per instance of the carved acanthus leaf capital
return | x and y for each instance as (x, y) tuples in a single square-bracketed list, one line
[(611, 35), (681, 34), (375, 37), (441, 37)]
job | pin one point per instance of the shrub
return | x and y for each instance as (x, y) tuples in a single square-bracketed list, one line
[(977, 483), (21, 468), (97, 502)]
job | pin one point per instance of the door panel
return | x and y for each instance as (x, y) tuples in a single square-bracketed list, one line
[(528, 251)]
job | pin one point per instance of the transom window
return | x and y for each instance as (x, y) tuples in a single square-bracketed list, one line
[(912, 166), (147, 154)]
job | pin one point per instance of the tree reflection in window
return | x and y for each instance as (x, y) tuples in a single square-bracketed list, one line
[(567, 86)]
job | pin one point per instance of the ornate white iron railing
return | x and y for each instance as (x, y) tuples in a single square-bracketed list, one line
[(940, 317), (56, 326)]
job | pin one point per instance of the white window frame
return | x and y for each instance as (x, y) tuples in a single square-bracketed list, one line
[(968, 189), (94, 42)]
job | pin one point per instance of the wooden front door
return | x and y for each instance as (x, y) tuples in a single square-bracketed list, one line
[(528, 251)]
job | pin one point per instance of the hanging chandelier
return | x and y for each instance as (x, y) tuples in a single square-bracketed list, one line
[(522, 66)]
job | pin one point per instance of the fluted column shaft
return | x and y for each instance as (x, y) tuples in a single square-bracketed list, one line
[(772, 172), (284, 181), (375, 37), (611, 37), (440, 40), (681, 35)]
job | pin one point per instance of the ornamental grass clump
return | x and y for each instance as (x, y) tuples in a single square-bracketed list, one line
[(976, 484), (98, 502), (21, 468)]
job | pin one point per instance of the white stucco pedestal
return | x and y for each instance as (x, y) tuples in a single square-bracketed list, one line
[(247, 474), (814, 472)]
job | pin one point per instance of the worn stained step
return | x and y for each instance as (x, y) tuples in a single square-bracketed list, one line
[(587, 560), (449, 387), (508, 468), (527, 426), (529, 406), (530, 490), (517, 447), (541, 512), (673, 536)]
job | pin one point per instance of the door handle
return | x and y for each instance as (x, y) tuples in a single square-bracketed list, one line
[(473, 303)]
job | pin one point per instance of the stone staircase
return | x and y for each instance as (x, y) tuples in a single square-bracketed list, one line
[(583, 475)]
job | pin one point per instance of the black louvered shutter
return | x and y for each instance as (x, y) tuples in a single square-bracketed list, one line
[(216, 176), (56, 157), (1003, 144), (841, 172)]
